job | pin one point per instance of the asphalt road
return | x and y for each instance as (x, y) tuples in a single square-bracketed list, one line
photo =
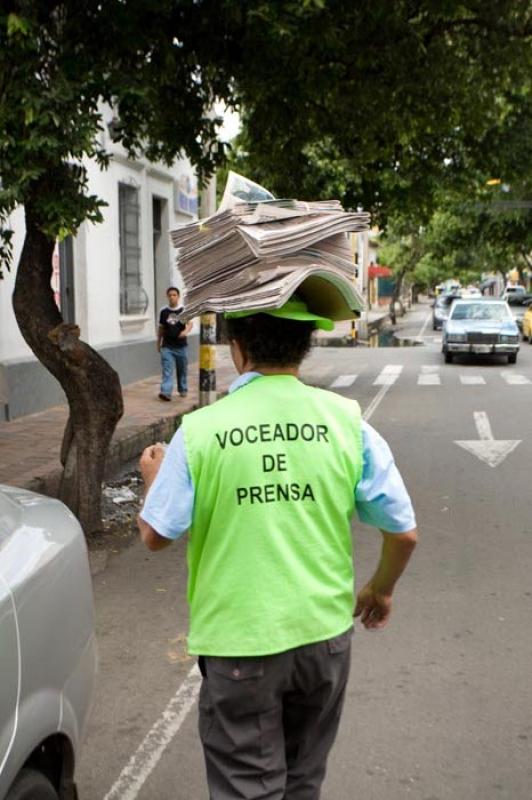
[(439, 703)]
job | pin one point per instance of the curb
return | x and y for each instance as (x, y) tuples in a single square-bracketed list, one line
[(126, 445)]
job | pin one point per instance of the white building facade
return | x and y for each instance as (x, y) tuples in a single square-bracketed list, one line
[(110, 279)]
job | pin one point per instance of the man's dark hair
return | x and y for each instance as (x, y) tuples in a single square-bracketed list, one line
[(271, 341), (173, 289)]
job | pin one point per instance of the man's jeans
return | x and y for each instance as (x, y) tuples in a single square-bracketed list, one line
[(171, 356)]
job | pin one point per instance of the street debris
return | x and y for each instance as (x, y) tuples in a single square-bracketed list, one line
[(121, 502), (119, 494)]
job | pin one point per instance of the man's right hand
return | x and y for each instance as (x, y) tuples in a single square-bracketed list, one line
[(150, 462)]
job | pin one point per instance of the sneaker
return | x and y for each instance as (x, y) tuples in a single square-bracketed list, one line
[(164, 397), (183, 394)]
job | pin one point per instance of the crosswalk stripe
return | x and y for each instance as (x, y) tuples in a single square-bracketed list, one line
[(342, 381), (429, 375), (471, 380), (388, 375), (429, 379), (513, 379)]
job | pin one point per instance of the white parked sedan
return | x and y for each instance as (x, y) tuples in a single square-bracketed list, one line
[(47, 646), (480, 326)]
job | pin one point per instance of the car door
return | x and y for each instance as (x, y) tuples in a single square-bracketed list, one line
[(9, 668)]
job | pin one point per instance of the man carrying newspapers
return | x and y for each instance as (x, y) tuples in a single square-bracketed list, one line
[(266, 481)]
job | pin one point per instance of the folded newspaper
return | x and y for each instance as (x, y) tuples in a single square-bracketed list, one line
[(256, 251)]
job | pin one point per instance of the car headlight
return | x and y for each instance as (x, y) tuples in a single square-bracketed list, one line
[(509, 339), (457, 337)]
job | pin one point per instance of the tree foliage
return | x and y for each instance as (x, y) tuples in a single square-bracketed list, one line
[(382, 103), (59, 61)]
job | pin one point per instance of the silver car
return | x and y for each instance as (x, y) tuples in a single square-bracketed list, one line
[(47, 646), (440, 310), (480, 326)]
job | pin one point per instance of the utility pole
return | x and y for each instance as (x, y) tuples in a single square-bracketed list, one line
[(207, 354)]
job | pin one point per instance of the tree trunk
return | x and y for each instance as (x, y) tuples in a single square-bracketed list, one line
[(92, 387), (395, 295)]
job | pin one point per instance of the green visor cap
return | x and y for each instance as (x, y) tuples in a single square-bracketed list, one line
[(293, 309)]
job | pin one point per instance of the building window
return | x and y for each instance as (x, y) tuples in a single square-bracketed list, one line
[(133, 298)]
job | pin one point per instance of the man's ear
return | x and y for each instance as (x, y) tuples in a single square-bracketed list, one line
[(238, 354)]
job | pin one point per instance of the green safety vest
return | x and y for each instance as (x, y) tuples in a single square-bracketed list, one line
[(274, 467)]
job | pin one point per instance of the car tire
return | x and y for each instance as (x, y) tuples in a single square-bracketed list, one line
[(448, 357), (31, 785), (512, 358)]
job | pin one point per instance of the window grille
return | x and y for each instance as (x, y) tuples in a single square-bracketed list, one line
[(133, 298)]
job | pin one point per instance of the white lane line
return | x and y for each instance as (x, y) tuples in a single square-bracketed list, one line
[(426, 368), (388, 375), (424, 326), (515, 380), (370, 410), (471, 380), (429, 379), (343, 381), (145, 759)]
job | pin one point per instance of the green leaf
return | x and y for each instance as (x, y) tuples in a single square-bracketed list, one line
[(16, 24)]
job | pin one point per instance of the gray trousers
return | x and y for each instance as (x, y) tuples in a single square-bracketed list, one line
[(267, 723)]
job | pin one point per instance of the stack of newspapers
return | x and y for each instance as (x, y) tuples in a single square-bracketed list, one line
[(255, 255)]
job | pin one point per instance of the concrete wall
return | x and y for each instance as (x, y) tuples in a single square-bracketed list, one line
[(27, 387), (126, 341)]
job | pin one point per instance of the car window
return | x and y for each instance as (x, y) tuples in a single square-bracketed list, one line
[(481, 311), (518, 300)]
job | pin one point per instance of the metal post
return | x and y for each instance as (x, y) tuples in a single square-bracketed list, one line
[(207, 355), (207, 360)]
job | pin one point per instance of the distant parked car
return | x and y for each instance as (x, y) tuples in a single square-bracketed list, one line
[(480, 326), (47, 646), (440, 310), (518, 303), (512, 290)]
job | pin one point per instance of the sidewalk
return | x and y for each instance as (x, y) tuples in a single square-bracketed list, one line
[(30, 445)]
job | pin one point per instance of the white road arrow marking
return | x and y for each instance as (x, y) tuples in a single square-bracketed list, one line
[(486, 448)]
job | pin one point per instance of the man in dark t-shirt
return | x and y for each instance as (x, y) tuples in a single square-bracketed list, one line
[(172, 345)]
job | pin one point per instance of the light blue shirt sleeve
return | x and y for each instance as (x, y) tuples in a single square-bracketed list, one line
[(169, 504), (381, 497)]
